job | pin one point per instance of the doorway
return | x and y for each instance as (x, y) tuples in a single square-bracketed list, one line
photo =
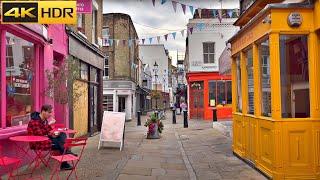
[(93, 125), (121, 104), (196, 100)]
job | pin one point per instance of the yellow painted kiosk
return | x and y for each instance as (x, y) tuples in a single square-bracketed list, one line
[(276, 88)]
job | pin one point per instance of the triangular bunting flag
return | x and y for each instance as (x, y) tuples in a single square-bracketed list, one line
[(174, 35), (182, 33), (214, 13), (150, 40), (166, 37), (158, 38), (117, 42), (110, 42), (191, 10), (174, 5), (143, 41), (191, 29), (220, 15), (154, 3), (163, 1), (230, 13), (183, 8), (238, 12), (199, 12), (124, 42), (137, 42), (130, 42)]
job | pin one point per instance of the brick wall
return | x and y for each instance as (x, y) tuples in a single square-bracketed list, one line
[(122, 56)]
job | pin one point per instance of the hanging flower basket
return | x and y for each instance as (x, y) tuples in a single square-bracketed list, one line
[(155, 127)]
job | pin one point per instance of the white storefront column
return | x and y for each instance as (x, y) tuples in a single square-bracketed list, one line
[(129, 105), (115, 101)]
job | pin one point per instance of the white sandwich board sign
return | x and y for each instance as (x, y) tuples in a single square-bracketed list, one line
[(112, 129)]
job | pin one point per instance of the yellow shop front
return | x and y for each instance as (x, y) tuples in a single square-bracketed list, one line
[(276, 91)]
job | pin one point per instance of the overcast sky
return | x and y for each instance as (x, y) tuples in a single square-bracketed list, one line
[(152, 21)]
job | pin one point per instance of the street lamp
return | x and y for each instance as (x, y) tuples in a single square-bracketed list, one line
[(155, 70)]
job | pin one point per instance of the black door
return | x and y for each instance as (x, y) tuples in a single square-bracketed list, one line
[(121, 104)]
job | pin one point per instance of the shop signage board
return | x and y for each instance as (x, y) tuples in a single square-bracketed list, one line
[(294, 19), (84, 6), (112, 130)]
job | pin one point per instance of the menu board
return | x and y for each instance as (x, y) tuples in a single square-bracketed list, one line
[(112, 129)]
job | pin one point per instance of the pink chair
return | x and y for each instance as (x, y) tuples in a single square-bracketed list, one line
[(72, 142), (9, 164)]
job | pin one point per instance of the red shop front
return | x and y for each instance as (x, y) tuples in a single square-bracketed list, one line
[(204, 87)]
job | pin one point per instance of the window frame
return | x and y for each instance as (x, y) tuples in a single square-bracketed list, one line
[(106, 66), (208, 53)]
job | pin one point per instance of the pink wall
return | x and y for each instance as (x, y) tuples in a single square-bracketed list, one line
[(44, 57)]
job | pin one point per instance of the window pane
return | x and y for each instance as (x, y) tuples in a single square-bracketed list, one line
[(19, 79), (250, 81), (294, 76), (211, 47), (221, 92), (108, 103), (229, 92), (239, 95), (212, 91), (84, 71), (211, 58), (205, 58), (93, 74), (205, 47), (264, 53)]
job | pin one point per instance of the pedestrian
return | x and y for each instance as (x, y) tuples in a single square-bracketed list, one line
[(183, 106), (41, 126)]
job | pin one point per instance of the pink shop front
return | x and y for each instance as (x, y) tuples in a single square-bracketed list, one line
[(26, 52)]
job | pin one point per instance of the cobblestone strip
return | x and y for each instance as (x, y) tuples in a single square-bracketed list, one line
[(192, 174)]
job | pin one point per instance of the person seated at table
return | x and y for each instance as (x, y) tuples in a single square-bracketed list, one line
[(40, 126)]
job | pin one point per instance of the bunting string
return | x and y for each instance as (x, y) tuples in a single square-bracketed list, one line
[(157, 39)]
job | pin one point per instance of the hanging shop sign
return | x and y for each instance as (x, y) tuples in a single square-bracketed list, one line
[(294, 19)]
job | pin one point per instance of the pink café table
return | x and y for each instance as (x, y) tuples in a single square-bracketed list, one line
[(38, 159)]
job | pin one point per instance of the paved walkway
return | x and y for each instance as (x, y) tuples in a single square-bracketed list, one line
[(198, 152)]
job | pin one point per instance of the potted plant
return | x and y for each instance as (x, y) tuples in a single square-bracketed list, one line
[(155, 127)]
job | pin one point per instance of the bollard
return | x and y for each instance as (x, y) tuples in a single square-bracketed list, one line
[(173, 116), (185, 119), (214, 114), (139, 118), (156, 113)]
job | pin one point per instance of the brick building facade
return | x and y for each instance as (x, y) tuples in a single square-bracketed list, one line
[(121, 67)]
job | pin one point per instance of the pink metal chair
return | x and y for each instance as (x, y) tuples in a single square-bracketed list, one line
[(9, 164), (72, 142)]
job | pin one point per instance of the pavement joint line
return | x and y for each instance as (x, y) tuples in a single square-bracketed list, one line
[(187, 163)]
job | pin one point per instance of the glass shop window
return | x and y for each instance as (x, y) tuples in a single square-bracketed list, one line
[(19, 78), (84, 71), (212, 91), (239, 91), (249, 64), (295, 99), (264, 56)]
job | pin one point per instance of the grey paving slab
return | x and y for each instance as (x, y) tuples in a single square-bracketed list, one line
[(198, 152)]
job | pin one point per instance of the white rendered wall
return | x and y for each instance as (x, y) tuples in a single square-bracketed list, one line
[(149, 54), (214, 31)]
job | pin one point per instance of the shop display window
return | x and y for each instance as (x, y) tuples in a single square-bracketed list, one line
[(295, 99), (220, 92), (264, 56), (239, 92), (249, 60), (19, 79)]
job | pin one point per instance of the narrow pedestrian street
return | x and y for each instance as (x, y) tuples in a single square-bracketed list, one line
[(198, 152)]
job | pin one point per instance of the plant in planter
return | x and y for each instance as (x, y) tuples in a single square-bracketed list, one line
[(155, 127)]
